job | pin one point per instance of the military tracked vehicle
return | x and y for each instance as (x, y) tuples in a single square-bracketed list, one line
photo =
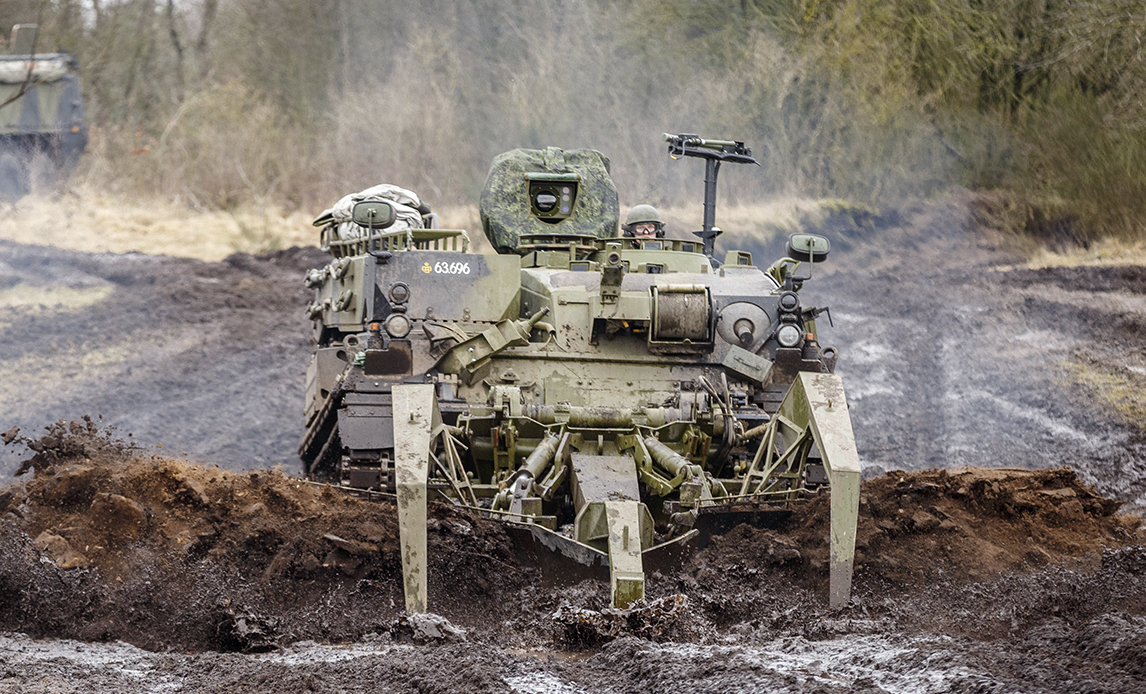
[(612, 400), (41, 111)]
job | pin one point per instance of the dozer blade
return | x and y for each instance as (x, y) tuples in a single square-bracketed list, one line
[(670, 557), (606, 494), (816, 401), (712, 521), (416, 415), (564, 562)]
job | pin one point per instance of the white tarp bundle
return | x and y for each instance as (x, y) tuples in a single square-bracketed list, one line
[(405, 203), (46, 70)]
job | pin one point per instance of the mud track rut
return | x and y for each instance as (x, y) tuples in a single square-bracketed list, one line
[(967, 580)]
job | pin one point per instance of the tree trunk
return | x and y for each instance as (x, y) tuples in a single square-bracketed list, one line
[(210, 8), (178, 46)]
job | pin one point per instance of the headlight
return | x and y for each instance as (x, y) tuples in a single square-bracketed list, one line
[(788, 336), (789, 302), (399, 293), (398, 325)]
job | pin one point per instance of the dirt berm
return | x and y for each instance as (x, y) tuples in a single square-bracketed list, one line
[(105, 543)]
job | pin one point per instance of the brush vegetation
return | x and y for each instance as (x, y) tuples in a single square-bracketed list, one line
[(1117, 388), (223, 104)]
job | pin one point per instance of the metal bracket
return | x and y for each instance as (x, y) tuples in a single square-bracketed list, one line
[(416, 417), (816, 402)]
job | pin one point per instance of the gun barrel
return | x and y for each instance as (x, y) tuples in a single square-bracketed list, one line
[(712, 144), (714, 153), (694, 141)]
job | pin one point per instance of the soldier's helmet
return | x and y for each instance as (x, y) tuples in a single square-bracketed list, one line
[(643, 214)]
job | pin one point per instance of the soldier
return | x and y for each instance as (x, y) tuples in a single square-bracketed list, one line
[(643, 223)]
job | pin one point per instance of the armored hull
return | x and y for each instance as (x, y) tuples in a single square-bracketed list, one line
[(41, 111), (611, 399)]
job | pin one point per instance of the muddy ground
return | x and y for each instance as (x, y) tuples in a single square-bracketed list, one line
[(1027, 579), (106, 547)]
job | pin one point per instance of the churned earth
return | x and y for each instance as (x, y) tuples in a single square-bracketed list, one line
[(958, 355), (998, 412)]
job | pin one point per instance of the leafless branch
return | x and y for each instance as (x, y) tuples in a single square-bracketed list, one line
[(31, 63)]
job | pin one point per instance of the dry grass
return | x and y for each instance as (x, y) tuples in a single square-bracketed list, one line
[(89, 221), (1109, 251), (763, 221), (92, 222), (1121, 389), (27, 297)]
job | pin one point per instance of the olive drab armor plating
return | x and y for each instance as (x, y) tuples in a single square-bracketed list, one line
[(611, 401), (42, 110)]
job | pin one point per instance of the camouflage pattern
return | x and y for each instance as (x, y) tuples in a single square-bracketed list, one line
[(44, 114), (505, 204)]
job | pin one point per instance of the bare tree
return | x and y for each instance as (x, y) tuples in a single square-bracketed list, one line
[(173, 32), (210, 9)]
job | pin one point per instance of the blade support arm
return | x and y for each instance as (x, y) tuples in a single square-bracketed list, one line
[(816, 401)]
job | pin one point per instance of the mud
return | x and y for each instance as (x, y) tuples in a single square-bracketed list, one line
[(203, 358), (953, 357), (107, 544), (1000, 546)]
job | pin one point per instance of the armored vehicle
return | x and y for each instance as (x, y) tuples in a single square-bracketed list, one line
[(612, 400), (41, 111)]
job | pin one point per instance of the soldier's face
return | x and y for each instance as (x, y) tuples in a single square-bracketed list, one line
[(645, 230)]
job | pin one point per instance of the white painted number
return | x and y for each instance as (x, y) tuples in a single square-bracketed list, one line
[(452, 268)]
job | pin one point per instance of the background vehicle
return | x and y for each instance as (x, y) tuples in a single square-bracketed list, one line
[(41, 111)]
